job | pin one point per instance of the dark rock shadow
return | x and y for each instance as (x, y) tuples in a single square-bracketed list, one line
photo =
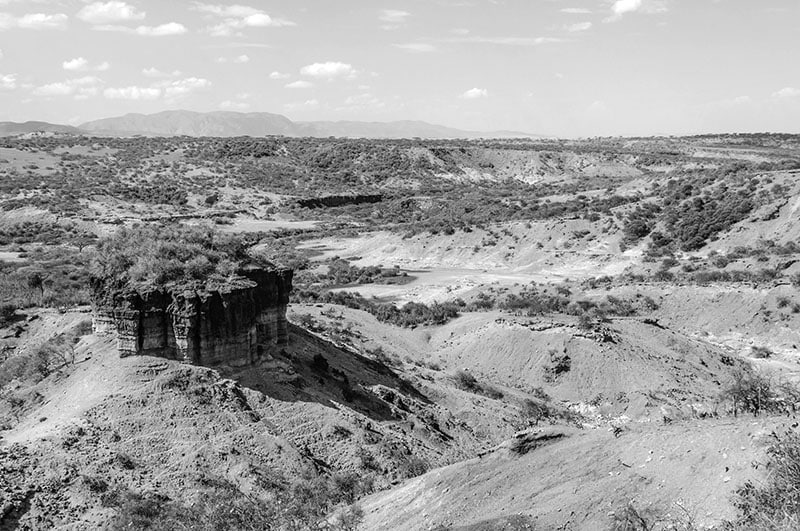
[(311, 369)]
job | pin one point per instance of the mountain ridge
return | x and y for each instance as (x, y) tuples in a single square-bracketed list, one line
[(231, 124)]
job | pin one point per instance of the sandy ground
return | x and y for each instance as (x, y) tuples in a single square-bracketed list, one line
[(445, 268), (10, 256), (266, 225)]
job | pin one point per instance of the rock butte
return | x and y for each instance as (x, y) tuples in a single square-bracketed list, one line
[(239, 323)]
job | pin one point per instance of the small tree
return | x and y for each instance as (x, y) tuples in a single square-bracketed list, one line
[(35, 280)]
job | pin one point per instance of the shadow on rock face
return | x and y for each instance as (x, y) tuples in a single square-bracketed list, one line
[(311, 369)]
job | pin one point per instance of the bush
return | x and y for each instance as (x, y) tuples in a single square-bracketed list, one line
[(773, 504), (7, 311), (153, 256), (302, 504), (467, 382), (761, 352), (652, 518), (534, 411), (752, 392)]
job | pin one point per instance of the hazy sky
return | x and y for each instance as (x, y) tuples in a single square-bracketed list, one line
[(560, 67)]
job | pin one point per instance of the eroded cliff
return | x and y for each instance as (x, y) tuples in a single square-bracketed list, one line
[(235, 323)]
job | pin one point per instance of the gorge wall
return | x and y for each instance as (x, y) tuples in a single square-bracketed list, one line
[(238, 323)]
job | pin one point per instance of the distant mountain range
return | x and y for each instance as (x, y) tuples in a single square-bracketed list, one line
[(227, 124)]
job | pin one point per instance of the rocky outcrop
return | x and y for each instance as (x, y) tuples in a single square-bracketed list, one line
[(236, 323)]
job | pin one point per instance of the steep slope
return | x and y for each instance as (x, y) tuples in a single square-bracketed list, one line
[(626, 367), (581, 480)]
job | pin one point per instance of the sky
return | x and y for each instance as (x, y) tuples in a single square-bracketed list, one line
[(569, 68)]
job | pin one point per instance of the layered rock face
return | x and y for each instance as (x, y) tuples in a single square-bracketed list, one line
[(236, 324)]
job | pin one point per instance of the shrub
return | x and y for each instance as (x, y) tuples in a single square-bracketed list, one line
[(752, 392), (773, 504), (467, 382), (630, 517), (761, 352), (534, 411), (157, 255), (559, 364), (7, 311)]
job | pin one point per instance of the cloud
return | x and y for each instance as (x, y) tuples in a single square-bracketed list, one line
[(36, 21), (728, 103), (240, 59), (79, 64), (155, 72), (108, 12), (1, 53), (237, 17), (132, 93), (82, 87), (170, 28), (475, 93), (394, 18), (786, 92), (506, 41), (362, 101), (166, 89), (279, 75), (328, 70), (623, 7), (580, 26), (620, 7), (163, 30), (394, 15), (54, 89), (8, 81), (576, 10), (234, 105), (299, 84), (308, 104), (417, 47), (182, 87)]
